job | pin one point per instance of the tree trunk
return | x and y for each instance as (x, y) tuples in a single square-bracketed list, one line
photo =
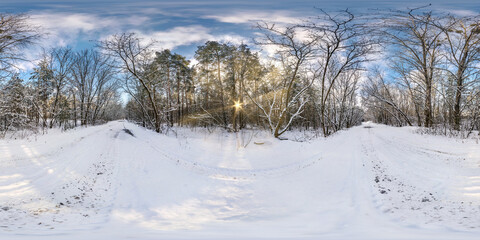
[(428, 102)]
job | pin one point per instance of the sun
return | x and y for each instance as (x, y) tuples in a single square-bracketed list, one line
[(237, 105)]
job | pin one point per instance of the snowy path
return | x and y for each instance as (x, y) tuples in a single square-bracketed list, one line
[(370, 182)]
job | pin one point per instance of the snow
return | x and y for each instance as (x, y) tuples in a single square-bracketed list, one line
[(368, 182)]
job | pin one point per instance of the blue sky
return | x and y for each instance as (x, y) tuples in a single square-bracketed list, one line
[(183, 25)]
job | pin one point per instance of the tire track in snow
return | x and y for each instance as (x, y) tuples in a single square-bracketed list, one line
[(59, 149), (235, 174), (65, 202), (405, 200)]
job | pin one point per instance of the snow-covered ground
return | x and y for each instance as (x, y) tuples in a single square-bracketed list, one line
[(369, 182)]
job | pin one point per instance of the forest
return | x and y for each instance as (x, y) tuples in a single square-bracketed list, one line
[(323, 74)]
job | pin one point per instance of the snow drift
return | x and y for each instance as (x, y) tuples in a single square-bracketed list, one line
[(370, 182)]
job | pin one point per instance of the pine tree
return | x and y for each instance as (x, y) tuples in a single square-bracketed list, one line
[(13, 105), (42, 77)]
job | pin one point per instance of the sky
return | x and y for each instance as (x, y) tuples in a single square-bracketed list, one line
[(183, 25)]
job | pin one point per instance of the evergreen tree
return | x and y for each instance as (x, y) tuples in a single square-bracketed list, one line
[(13, 105)]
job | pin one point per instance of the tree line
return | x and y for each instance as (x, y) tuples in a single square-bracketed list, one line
[(327, 73), (309, 79), (64, 89), (432, 78)]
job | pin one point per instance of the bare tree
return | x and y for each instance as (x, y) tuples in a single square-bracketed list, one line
[(135, 59), (463, 54), (380, 97), (16, 33), (343, 43), (92, 76), (416, 53), (283, 104), (62, 60)]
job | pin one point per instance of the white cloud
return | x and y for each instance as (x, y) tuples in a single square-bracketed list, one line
[(193, 62), (186, 35), (177, 36), (464, 13), (63, 29), (255, 16), (66, 28), (231, 38)]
